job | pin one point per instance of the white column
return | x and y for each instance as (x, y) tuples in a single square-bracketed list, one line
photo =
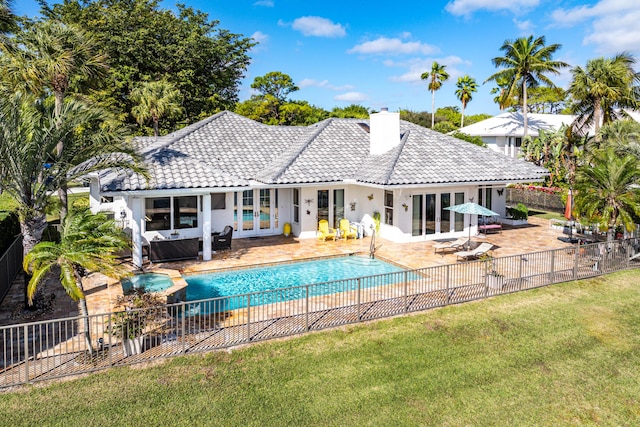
[(136, 206), (206, 227)]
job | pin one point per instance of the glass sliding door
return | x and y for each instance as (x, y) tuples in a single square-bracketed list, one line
[(264, 215), (417, 218), (247, 210), (338, 207), (323, 205), (431, 213), (459, 218), (445, 215)]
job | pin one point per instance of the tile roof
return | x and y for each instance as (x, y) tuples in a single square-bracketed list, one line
[(228, 150)]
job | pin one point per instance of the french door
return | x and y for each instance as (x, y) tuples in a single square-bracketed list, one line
[(256, 212), (430, 218)]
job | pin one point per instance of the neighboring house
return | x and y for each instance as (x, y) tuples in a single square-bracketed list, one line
[(230, 170), (504, 133)]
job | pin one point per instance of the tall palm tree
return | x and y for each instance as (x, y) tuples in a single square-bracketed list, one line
[(500, 91), (48, 57), (436, 77), (606, 84), (156, 100), (466, 87), (623, 135), (608, 189), (89, 243), (524, 65), (31, 169), (7, 18)]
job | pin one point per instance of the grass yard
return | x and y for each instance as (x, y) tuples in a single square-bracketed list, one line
[(563, 355), (546, 214)]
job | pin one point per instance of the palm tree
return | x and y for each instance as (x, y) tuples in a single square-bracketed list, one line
[(7, 18), (50, 56), (31, 169), (501, 93), (466, 87), (525, 63), (155, 101), (608, 189), (623, 135), (436, 77), (605, 85), (88, 243)]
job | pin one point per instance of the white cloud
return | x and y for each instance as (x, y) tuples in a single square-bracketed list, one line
[(265, 3), (260, 37), (317, 26), (419, 65), (351, 97), (405, 35), (386, 46), (614, 25), (525, 27), (323, 84), (467, 7)]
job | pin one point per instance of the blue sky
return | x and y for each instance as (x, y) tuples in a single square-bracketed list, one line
[(373, 53)]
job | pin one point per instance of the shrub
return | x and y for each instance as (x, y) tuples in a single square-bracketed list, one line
[(520, 212), (9, 230)]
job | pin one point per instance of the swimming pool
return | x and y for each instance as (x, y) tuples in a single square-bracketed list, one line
[(150, 282), (285, 276)]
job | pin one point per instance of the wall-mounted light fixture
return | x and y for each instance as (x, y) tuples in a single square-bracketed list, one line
[(123, 214)]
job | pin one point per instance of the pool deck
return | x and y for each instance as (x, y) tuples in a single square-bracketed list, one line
[(101, 292)]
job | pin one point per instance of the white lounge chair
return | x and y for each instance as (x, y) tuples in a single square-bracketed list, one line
[(456, 245), (474, 253)]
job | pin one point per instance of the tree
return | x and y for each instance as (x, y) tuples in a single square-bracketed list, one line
[(276, 84), (89, 243), (351, 111), (144, 42), (155, 100), (30, 167), (437, 76), (623, 136), (525, 63), (51, 56), (608, 189), (7, 18), (466, 87), (502, 99), (605, 85), (548, 100)]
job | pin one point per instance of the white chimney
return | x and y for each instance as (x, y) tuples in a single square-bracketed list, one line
[(384, 132)]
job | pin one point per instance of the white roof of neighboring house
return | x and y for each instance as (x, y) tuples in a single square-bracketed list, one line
[(512, 124)]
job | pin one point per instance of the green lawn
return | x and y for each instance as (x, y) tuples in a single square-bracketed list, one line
[(562, 355), (9, 204), (546, 214)]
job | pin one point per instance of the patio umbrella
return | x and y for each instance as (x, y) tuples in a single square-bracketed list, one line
[(471, 208)]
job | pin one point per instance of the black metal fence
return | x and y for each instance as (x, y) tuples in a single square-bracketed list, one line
[(45, 350), (10, 265)]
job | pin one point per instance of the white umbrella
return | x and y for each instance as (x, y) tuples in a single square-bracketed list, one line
[(471, 208)]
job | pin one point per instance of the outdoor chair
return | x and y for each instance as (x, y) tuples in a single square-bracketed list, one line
[(474, 253), (325, 232), (455, 245), (347, 230), (222, 240)]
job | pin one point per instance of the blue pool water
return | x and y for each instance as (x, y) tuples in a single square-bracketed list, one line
[(151, 282), (240, 282)]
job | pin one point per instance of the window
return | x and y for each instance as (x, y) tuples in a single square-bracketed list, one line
[(518, 142), (338, 207), (388, 207), (218, 201), (459, 217), (296, 205), (185, 212), (106, 199), (484, 197), (157, 213)]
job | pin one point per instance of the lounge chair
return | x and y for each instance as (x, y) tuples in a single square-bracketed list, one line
[(222, 240), (456, 245), (474, 253), (347, 230), (325, 232)]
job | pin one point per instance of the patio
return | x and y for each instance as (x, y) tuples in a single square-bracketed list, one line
[(102, 292)]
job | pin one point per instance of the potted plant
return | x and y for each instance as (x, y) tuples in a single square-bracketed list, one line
[(130, 325)]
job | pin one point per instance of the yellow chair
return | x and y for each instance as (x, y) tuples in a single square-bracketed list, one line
[(325, 231), (346, 230)]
